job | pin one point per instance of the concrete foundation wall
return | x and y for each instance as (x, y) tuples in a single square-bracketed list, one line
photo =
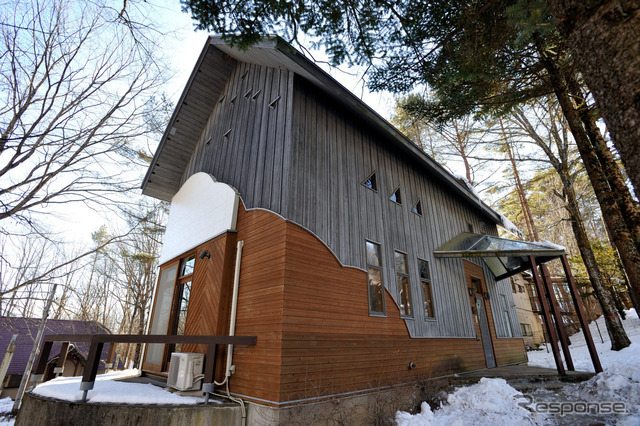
[(44, 411), (357, 410)]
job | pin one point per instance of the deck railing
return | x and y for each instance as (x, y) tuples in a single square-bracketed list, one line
[(97, 342)]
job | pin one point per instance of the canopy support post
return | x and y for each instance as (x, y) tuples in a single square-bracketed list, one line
[(551, 331), (575, 296), (557, 315)]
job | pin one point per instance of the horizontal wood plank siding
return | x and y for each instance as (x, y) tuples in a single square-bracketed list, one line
[(260, 304), (331, 345), (510, 351)]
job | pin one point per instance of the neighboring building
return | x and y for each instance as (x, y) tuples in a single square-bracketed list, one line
[(27, 329), (590, 303), (332, 220), (531, 326)]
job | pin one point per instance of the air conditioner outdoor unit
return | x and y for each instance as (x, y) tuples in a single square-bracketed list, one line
[(185, 371)]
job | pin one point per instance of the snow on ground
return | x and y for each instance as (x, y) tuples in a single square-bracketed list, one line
[(490, 402), (613, 395), (108, 390), (608, 358), (6, 405)]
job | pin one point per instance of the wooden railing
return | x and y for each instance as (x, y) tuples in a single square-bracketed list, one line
[(97, 342)]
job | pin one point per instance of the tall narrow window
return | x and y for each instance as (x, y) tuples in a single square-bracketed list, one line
[(425, 283), (162, 312), (396, 197), (404, 289), (505, 312), (374, 273), (371, 182), (181, 299)]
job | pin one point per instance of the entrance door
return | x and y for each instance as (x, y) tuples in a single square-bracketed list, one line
[(485, 334), (477, 289)]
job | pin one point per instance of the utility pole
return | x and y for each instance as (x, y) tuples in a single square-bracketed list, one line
[(34, 351)]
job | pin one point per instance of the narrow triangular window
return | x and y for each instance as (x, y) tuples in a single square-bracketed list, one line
[(371, 182), (417, 209), (395, 197)]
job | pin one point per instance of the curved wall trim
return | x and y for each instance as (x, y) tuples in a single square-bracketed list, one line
[(200, 210)]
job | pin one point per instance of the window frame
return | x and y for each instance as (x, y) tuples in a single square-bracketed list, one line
[(374, 186), (429, 284), (178, 290), (379, 268), (405, 275), (415, 207), (399, 197), (505, 315), (526, 329)]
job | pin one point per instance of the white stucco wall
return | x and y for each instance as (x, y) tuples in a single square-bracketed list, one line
[(200, 210)]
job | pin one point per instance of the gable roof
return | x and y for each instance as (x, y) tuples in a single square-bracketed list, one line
[(205, 86), (27, 329)]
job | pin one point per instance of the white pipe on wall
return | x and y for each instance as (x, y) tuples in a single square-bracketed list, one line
[(234, 312)]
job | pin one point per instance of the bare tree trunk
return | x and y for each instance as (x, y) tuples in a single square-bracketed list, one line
[(611, 213), (604, 37), (620, 191), (606, 195), (619, 339), (528, 218)]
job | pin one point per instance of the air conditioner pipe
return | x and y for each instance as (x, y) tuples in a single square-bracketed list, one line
[(234, 312)]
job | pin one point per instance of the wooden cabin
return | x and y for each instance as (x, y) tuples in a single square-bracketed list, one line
[(339, 216)]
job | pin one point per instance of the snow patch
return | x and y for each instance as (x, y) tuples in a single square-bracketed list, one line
[(508, 226), (488, 402), (6, 405), (549, 244), (108, 390), (470, 187)]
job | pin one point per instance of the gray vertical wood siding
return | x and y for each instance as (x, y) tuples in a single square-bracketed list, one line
[(305, 159), (252, 157)]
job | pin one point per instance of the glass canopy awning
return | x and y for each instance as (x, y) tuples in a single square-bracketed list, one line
[(503, 256)]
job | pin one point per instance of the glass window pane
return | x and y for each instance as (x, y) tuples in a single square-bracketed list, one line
[(423, 267), (187, 266), (181, 320), (427, 301), (417, 209), (395, 197), (161, 312), (401, 263), (376, 291), (373, 254), (405, 296), (371, 182)]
